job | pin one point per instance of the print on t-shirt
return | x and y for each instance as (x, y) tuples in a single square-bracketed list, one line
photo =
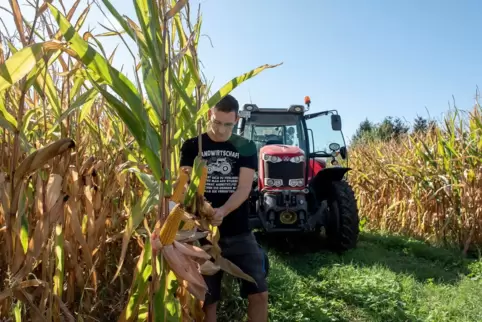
[(224, 160), (221, 164)]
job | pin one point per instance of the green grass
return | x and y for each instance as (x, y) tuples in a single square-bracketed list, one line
[(385, 279)]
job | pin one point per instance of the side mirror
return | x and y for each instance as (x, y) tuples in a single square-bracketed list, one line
[(343, 152), (335, 122)]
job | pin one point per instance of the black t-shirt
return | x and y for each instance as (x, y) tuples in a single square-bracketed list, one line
[(224, 160)]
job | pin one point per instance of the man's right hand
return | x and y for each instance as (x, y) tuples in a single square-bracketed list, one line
[(219, 214)]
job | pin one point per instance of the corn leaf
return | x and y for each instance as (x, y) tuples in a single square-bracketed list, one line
[(23, 61), (139, 289), (225, 90), (133, 114), (95, 62), (4, 114)]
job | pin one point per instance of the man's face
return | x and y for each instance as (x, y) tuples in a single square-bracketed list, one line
[(222, 124)]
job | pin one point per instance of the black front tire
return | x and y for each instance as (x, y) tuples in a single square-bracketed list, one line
[(342, 227)]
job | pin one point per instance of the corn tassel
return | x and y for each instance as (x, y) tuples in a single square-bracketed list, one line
[(171, 225)]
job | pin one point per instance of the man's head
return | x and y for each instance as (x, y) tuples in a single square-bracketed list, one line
[(223, 117)]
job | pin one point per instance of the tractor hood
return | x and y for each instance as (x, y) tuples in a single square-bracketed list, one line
[(281, 150)]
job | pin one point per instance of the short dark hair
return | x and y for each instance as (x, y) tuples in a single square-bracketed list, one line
[(228, 104)]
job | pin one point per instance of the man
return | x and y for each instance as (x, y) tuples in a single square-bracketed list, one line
[(232, 161)]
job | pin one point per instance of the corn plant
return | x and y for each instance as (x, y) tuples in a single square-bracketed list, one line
[(427, 185), (89, 163)]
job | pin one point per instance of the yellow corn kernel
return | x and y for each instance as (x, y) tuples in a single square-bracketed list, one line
[(188, 225), (180, 185), (171, 225), (202, 182)]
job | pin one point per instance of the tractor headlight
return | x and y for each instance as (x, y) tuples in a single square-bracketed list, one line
[(273, 182), (298, 159), (271, 158), (296, 182)]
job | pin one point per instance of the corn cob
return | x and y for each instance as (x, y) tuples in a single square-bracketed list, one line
[(188, 225), (171, 225), (202, 182), (179, 190)]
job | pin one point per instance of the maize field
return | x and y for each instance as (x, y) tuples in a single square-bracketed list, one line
[(88, 170), (426, 185)]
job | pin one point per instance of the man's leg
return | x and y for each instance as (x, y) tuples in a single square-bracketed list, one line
[(246, 254), (210, 312), (258, 307), (212, 296)]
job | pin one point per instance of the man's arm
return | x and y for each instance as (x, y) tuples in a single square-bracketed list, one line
[(245, 183), (248, 166)]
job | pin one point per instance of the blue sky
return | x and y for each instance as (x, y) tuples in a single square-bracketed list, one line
[(368, 59)]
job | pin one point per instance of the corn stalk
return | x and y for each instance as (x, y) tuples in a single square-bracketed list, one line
[(88, 162), (428, 185)]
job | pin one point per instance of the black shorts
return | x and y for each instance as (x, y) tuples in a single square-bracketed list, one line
[(244, 252)]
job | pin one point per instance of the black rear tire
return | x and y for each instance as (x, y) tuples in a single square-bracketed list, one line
[(342, 227)]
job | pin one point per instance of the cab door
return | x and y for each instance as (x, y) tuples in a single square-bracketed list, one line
[(324, 132)]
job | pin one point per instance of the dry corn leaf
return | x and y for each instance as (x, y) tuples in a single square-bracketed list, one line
[(39, 194), (209, 268), (38, 158), (233, 269), (89, 210), (40, 236), (191, 250), (54, 187), (4, 193), (26, 298), (24, 284), (72, 213), (84, 169), (185, 269), (176, 9), (188, 236)]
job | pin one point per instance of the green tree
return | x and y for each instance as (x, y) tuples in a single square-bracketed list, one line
[(420, 125), (364, 131), (390, 128)]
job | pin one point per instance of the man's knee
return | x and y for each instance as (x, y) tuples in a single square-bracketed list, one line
[(210, 307), (259, 298), (258, 307)]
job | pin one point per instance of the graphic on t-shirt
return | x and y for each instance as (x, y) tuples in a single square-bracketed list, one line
[(220, 165), (221, 178)]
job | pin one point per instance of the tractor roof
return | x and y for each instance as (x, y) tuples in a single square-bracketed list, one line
[(253, 109)]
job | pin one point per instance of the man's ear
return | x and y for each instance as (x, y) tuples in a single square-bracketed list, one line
[(210, 113), (237, 119)]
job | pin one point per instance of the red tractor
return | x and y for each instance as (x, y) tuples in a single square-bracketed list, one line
[(300, 186)]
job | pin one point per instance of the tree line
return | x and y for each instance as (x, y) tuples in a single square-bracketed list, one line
[(391, 128)]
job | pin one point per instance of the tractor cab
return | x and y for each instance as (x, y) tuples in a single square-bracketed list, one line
[(315, 139), (299, 179)]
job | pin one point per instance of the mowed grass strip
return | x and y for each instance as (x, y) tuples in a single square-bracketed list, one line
[(387, 278)]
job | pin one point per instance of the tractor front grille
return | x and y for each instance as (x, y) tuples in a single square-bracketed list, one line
[(284, 170)]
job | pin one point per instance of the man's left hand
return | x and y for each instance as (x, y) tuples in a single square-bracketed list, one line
[(219, 214)]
